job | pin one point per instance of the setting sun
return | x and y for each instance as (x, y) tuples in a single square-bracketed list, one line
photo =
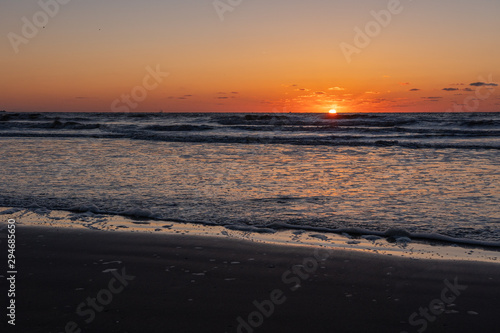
[(332, 111)]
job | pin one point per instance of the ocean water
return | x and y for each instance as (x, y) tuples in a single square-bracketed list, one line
[(430, 175)]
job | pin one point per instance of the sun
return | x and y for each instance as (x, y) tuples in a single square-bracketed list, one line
[(332, 111)]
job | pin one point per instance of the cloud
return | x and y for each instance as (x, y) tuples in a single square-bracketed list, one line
[(415, 89), (433, 98), (481, 84), (450, 89), (468, 89), (336, 88), (180, 97), (319, 92), (232, 93), (404, 83), (81, 97)]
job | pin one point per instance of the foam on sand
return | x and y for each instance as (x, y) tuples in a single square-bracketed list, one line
[(394, 242)]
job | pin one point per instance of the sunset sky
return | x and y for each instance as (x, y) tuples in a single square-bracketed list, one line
[(264, 56)]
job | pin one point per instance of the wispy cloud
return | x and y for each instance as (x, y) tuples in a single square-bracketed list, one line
[(433, 98)]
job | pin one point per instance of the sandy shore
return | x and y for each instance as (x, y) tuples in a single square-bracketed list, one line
[(98, 281)]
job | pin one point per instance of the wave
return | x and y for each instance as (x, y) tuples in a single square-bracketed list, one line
[(481, 123), (391, 234), (333, 141), (178, 128), (370, 120), (51, 125), (439, 131)]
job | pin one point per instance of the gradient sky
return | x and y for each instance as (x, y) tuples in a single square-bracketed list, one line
[(265, 56)]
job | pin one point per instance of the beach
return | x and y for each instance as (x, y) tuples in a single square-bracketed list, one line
[(241, 166), (250, 223), (144, 282)]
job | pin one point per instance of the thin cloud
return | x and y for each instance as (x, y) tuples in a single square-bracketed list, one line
[(180, 97), (450, 89), (433, 98), (415, 89), (378, 100), (481, 84)]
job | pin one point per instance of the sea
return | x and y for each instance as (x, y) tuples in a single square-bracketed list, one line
[(424, 175)]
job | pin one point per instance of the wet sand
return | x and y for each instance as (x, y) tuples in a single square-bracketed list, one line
[(98, 281)]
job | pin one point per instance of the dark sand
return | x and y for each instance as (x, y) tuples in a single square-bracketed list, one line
[(348, 292)]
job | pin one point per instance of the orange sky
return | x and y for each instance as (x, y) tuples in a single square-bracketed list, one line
[(284, 56)]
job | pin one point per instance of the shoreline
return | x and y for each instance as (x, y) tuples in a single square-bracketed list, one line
[(187, 283), (399, 243)]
